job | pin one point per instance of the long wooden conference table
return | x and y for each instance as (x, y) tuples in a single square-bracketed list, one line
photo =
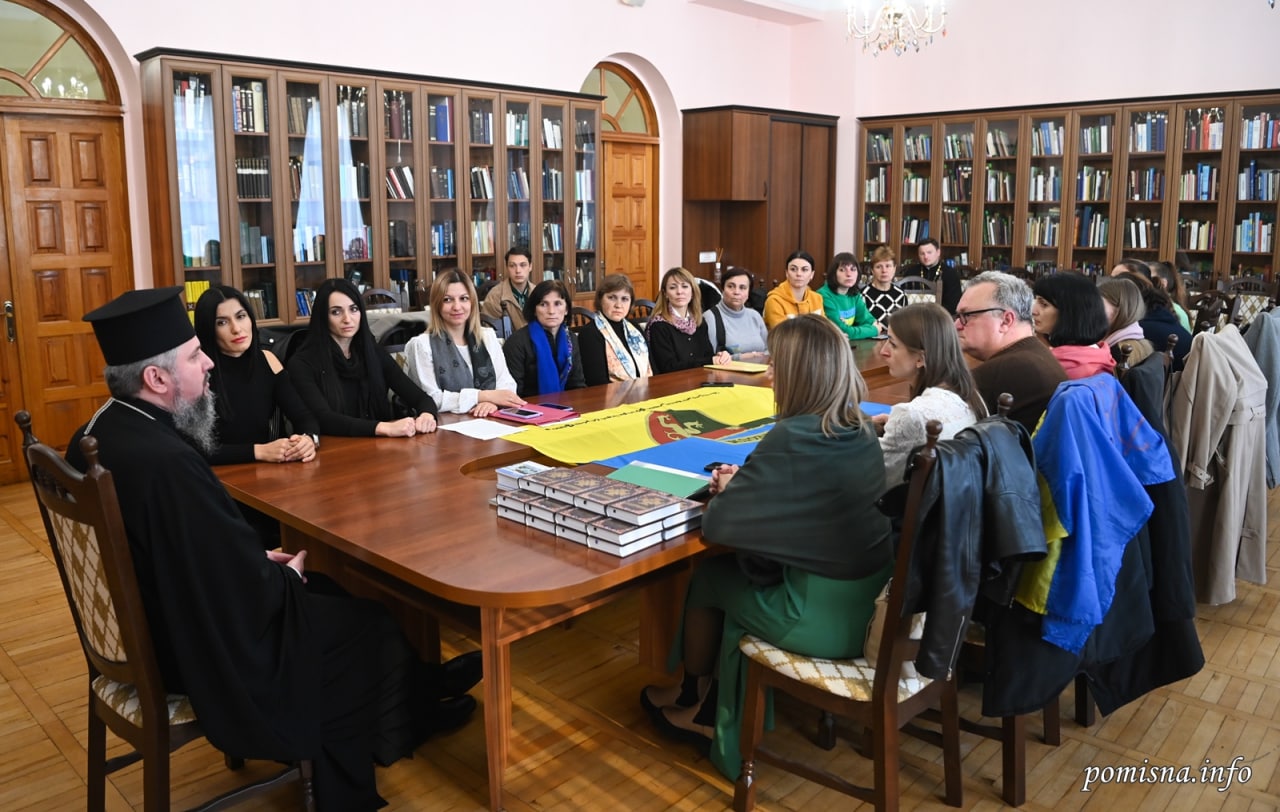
[(408, 521)]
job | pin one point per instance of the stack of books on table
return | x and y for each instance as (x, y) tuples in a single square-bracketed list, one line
[(619, 518)]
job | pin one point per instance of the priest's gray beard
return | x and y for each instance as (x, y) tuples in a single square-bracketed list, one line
[(197, 420)]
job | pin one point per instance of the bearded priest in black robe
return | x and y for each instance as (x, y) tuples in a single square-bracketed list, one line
[(278, 663)]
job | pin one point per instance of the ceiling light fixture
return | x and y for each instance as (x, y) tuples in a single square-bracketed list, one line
[(897, 25)]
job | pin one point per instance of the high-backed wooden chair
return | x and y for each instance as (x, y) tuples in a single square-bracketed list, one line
[(879, 698), (86, 534), (381, 299), (918, 289), (580, 317), (1253, 295), (1213, 310), (641, 310)]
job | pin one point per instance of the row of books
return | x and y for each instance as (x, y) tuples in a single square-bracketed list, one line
[(249, 107), (442, 183), (353, 112), (1258, 184), (1091, 228), (1141, 232), (517, 129), (518, 233), (1200, 183), (306, 179), (552, 183), (517, 184), (877, 186), (262, 300), (915, 188), (440, 119), (482, 183), (482, 237), (997, 229), (1197, 235), (552, 237), (397, 115), (1044, 185), (875, 227), (1254, 234), (957, 146), (1262, 131), (879, 148), (551, 136), (354, 182), (955, 225), (584, 184), (300, 110), (1147, 134), (1096, 138), (444, 239), (1044, 229), (917, 147), (1203, 128), (192, 289), (200, 246), (619, 518), (355, 242), (914, 229), (1048, 138), (999, 185), (400, 239), (957, 184), (1001, 144), (256, 248), (192, 105), (1146, 185), (308, 244), (400, 182), (585, 227), (197, 180), (305, 299), (253, 177), (1093, 183), (481, 126), (584, 135)]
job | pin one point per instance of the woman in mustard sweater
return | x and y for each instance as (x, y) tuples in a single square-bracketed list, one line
[(793, 297)]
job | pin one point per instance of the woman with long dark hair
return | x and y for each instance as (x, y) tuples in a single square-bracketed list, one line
[(1069, 316), (250, 386), (344, 376)]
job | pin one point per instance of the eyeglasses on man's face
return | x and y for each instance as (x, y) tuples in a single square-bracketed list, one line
[(963, 316)]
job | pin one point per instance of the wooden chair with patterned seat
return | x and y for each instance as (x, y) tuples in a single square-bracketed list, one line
[(918, 289), (882, 698), (1213, 310), (1254, 296), (86, 534)]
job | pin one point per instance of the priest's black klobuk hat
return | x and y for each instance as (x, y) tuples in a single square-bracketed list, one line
[(139, 324)]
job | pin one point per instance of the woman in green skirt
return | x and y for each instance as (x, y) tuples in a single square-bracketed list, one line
[(810, 549)]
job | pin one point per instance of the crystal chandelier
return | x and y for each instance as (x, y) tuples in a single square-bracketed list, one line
[(897, 25)]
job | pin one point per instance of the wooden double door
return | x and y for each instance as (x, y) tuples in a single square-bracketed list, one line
[(64, 250)]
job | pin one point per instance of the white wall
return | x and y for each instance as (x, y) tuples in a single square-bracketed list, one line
[(996, 53)]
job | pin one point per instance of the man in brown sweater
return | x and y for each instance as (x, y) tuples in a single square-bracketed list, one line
[(993, 319)]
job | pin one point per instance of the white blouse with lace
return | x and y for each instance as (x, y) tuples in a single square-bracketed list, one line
[(904, 430)]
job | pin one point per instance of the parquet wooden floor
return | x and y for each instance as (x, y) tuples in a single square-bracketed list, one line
[(582, 742)]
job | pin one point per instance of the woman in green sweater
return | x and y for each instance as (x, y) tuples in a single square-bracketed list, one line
[(843, 303), (810, 549)]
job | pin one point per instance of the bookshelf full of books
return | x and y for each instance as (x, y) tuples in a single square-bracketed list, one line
[(957, 189), (273, 176), (196, 174), (551, 141), (917, 181), (586, 194), (1085, 185)]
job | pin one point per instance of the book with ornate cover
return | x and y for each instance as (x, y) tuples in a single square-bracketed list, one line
[(546, 509), (512, 515), (618, 532), (598, 499), (539, 482), (647, 507), (517, 499), (566, 490), (570, 534), (576, 518), (683, 516), (539, 523)]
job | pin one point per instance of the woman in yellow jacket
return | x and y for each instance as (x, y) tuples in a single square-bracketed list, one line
[(793, 297)]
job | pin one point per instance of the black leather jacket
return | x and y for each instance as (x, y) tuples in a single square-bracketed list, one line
[(979, 520)]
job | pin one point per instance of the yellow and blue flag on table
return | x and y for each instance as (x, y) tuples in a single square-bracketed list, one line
[(709, 412)]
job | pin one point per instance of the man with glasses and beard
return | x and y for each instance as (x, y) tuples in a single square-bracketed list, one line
[(279, 664)]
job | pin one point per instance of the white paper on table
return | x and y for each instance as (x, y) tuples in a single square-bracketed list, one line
[(483, 429)]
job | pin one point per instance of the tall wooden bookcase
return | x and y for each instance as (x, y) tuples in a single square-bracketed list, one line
[(758, 184), (1080, 186), (272, 177)]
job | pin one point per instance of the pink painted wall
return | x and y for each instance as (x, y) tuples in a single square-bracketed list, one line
[(997, 53)]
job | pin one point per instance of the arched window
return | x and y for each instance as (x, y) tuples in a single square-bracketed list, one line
[(45, 55), (626, 107)]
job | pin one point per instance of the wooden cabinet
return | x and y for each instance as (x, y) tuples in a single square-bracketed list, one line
[(272, 177), (758, 185), (1082, 186)]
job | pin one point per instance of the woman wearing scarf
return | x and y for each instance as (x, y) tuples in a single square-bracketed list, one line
[(612, 348), (677, 333), (343, 375), (543, 355), (1068, 315), (458, 362), (1123, 302)]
